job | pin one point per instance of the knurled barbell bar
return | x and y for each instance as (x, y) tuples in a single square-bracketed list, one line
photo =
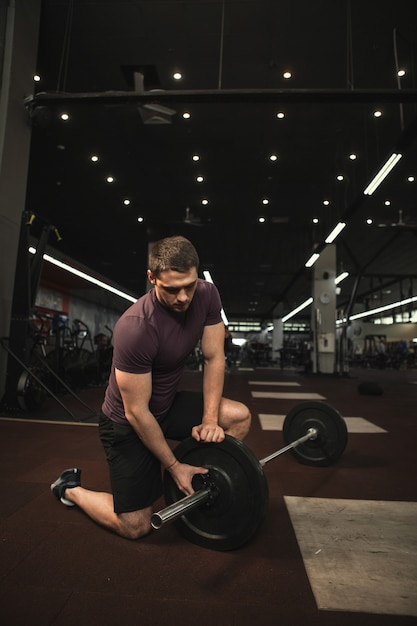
[(230, 502)]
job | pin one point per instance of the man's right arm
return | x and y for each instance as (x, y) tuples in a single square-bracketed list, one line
[(136, 391)]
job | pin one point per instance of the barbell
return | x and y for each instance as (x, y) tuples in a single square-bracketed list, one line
[(229, 503)]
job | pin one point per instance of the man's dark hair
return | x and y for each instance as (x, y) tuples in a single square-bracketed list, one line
[(173, 253)]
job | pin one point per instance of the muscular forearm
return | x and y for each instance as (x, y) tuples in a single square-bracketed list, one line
[(151, 435), (213, 381)]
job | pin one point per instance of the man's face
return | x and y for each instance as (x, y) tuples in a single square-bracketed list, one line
[(175, 290)]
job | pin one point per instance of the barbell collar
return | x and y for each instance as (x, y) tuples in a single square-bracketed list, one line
[(310, 435), (179, 508)]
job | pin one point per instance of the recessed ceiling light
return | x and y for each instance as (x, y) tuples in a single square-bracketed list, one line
[(140, 219), (196, 157), (36, 78), (273, 157), (186, 115), (204, 201), (280, 115), (326, 202), (401, 73), (387, 202), (110, 179), (265, 201), (64, 117), (287, 75), (200, 179), (369, 220), (315, 220), (353, 156), (94, 158), (177, 76), (261, 220), (340, 177), (126, 202), (411, 179), (377, 113)]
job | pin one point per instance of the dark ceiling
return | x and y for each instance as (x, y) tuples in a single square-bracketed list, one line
[(344, 58)]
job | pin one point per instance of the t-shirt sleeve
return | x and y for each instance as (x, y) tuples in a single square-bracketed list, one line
[(134, 345), (215, 305)]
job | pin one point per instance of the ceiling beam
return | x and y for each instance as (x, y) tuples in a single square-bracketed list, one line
[(213, 96)]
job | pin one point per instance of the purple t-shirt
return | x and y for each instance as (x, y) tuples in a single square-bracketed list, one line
[(150, 338)]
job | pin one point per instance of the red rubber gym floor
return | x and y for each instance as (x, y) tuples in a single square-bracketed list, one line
[(58, 568)]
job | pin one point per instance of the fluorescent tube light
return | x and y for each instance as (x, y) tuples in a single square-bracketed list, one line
[(208, 278), (305, 304), (85, 276), (297, 310), (341, 277), (383, 172), (312, 260), (387, 307), (335, 232)]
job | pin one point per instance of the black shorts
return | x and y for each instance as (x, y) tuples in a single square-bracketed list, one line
[(135, 473)]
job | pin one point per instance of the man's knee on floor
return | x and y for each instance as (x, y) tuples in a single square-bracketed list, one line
[(135, 533), (134, 526)]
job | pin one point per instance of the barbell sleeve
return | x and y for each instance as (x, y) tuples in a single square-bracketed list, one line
[(310, 434), (177, 509)]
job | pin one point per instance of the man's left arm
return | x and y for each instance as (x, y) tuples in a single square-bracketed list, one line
[(212, 347)]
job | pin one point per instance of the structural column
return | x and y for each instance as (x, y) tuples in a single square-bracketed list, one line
[(323, 312), (277, 339), (19, 27)]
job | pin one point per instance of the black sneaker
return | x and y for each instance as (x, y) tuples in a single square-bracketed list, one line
[(68, 479)]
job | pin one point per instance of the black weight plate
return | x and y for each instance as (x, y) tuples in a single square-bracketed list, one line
[(332, 436), (237, 511)]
